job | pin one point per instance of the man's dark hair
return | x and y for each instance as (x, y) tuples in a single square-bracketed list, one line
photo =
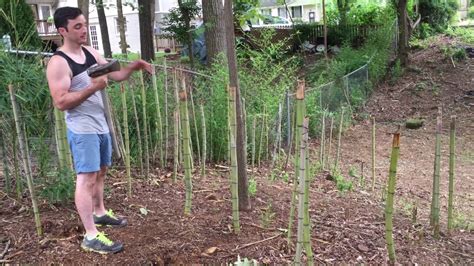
[(63, 14)]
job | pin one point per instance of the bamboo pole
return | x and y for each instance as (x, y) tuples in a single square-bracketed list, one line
[(262, 135), (166, 110), (24, 156), (306, 220), (186, 151), (59, 139), (452, 158), (328, 154), (373, 154), (267, 146), (301, 170), (322, 140), (276, 147), (390, 198), (204, 141), (145, 128), (436, 177), (158, 121), (254, 129), (339, 136), (127, 138), (176, 145), (16, 168), (6, 169), (299, 127), (196, 130), (184, 88), (65, 142), (139, 135), (233, 166)]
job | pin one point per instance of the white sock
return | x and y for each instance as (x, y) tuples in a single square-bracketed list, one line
[(90, 237)]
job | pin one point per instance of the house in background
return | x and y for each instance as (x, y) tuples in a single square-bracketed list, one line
[(299, 10)]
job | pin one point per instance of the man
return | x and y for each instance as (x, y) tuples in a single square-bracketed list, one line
[(74, 92)]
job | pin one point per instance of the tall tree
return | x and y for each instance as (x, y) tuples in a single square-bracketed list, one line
[(146, 30), (121, 25), (213, 13), (244, 200), (403, 32), (187, 16), (84, 7), (103, 28)]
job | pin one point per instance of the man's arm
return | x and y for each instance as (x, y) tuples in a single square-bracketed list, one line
[(125, 72), (59, 80)]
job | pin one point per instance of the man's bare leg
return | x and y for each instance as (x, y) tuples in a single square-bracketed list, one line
[(98, 196), (85, 185)]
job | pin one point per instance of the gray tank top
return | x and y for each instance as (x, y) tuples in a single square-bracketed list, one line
[(89, 116)]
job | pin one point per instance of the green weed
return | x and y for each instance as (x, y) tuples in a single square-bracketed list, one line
[(59, 188), (252, 187)]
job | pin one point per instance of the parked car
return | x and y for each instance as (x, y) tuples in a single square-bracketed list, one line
[(267, 19)]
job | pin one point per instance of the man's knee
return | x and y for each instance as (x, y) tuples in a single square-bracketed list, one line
[(86, 180)]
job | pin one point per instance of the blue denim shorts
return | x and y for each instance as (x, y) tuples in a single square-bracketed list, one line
[(90, 151)]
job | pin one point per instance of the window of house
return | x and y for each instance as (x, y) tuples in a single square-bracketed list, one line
[(297, 11), (44, 11), (94, 38), (282, 12), (117, 29), (267, 12)]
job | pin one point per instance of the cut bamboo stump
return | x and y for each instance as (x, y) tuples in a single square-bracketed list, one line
[(390, 198), (436, 177), (233, 158), (186, 152), (452, 158)]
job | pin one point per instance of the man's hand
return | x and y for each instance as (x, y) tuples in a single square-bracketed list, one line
[(99, 83), (140, 64)]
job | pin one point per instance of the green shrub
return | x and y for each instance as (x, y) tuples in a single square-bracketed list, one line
[(16, 19), (437, 14), (471, 11)]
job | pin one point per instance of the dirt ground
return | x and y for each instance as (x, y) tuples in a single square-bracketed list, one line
[(346, 227)]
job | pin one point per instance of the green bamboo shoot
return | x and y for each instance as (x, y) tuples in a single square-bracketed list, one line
[(145, 128), (158, 121), (301, 170), (176, 145), (328, 154), (254, 129), (196, 130), (127, 138), (165, 95), (139, 135), (276, 146), (390, 197), (373, 154), (204, 142), (233, 157), (60, 134), (339, 136), (452, 158), (186, 151), (24, 155)]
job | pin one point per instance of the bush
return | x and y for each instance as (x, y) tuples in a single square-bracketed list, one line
[(16, 19), (437, 14), (471, 11)]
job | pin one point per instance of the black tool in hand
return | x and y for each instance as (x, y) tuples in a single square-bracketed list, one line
[(99, 70)]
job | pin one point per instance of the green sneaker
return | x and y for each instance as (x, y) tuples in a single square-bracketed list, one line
[(101, 244), (109, 219)]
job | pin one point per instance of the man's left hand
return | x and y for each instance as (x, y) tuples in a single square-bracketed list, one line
[(140, 64)]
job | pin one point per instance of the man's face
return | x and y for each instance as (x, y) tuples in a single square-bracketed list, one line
[(76, 30)]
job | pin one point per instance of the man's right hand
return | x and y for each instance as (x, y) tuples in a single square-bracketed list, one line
[(99, 83)]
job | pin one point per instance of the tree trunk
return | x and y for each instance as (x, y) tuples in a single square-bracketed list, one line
[(84, 7), (187, 23), (213, 12), (121, 25), (146, 30), (244, 200), (403, 33), (103, 28)]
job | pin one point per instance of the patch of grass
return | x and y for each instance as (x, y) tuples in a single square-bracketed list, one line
[(464, 222), (464, 34), (456, 53), (342, 183)]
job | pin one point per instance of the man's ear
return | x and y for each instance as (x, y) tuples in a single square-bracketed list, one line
[(62, 30)]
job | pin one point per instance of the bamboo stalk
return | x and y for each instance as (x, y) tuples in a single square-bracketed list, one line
[(139, 135), (323, 140), (276, 148), (244, 118), (110, 122), (121, 142), (176, 145), (204, 141), (24, 155), (145, 128), (158, 121), (306, 220), (254, 129), (436, 177), (6, 169), (303, 129), (16, 168), (262, 135), (127, 138), (233, 166), (186, 151), (328, 154), (184, 88), (299, 112), (59, 139), (452, 158), (390, 197), (373, 154), (339, 136), (267, 146), (166, 110), (196, 130)]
